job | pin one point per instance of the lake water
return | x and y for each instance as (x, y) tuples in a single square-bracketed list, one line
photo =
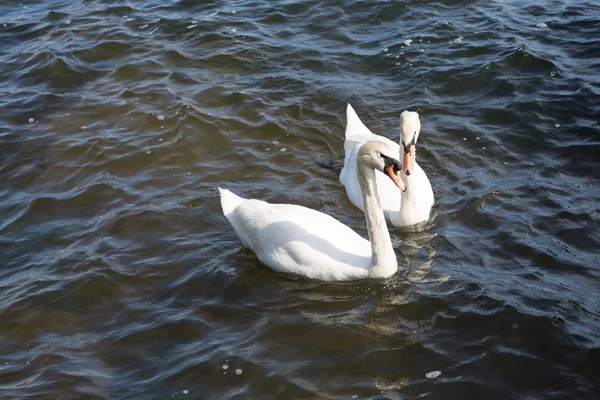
[(121, 279)]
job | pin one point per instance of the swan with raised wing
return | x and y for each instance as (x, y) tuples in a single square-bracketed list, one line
[(298, 240), (406, 204)]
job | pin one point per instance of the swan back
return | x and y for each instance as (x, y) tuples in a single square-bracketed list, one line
[(294, 239)]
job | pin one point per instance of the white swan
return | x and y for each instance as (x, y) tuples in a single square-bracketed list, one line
[(299, 240), (413, 204)]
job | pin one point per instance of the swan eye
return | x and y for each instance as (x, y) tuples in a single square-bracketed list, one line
[(407, 147), (397, 167)]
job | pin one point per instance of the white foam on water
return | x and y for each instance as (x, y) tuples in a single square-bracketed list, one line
[(68, 22), (275, 142), (542, 25), (464, 138), (385, 50), (160, 117), (83, 127), (238, 371), (458, 39), (283, 150), (148, 152), (557, 126), (408, 42), (143, 26), (433, 374), (192, 26), (477, 138), (225, 366), (30, 119), (185, 391), (160, 140)]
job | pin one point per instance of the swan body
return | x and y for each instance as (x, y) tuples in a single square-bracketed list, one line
[(401, 208), (294, 239)]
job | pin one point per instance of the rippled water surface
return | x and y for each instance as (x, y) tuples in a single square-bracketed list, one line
[(121, 279)]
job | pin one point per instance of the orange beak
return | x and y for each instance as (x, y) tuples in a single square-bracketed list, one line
[(408, 161), (394, 175)]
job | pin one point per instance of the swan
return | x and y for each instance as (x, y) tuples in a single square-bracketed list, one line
[(298, 240), (406, 204)]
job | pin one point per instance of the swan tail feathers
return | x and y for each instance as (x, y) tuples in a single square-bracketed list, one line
[(354, 126), (229, 201)]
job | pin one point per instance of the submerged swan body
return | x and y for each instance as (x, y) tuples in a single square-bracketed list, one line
[(401, 208), (294, 239)]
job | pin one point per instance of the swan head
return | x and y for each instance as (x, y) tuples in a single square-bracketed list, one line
[(410, 126), (379, 156)]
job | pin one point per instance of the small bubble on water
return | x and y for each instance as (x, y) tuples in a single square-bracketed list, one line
[(477, 138), (275, 142), (420, 40), (160, 140), (552, 73), (385, 50), (355, 396), (397, 56), (68, 22), (192, 26), (162, 127), (408, 42), (225, 366), (129, 19), (238, 371), (283, 150), (160, 117), (30, 119), (189, 173), (185, 391), (542, 25), (428, 41), (464, 138), (397, 63), (483, 148), (148, 152), (268, 148), (557, 126), (194, 22), (143, 26), (83, 127), (125, 16)]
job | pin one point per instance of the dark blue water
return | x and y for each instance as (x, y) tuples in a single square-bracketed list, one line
[(121, 279)]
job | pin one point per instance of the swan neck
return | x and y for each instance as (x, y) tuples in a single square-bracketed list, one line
[(383, 261)]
